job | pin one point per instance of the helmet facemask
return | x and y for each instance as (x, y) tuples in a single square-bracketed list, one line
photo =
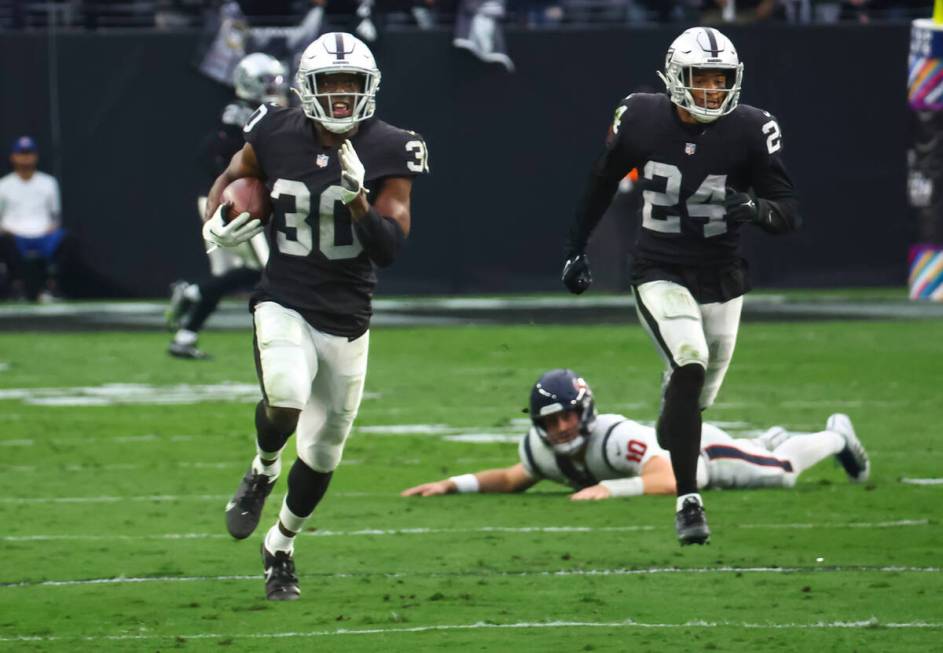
[(364, 100), (563, 444), (679, 81)]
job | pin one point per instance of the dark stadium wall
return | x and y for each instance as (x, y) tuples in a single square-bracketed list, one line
[(509, 152)]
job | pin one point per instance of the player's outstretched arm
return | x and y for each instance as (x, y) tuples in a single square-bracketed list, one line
[(243, 164), (507, 479), (657, 478)]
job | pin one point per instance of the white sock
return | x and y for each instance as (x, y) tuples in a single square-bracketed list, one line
[(806, 450), (272, 471), (185, 337), (275, 540), (192, 292), (680, 500), (290, 520)]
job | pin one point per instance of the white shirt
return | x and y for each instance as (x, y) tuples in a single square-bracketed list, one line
[(29, 207), (617, 448)]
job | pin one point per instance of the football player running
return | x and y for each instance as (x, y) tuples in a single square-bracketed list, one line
[(603, 456), (340, 184), (257, 79), (709, 166)]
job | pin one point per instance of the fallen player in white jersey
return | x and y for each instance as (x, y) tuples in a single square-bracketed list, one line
[(603, 456)]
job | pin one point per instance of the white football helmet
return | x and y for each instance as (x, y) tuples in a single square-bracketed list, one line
[(337, 52), (260, 78), (701, 48)]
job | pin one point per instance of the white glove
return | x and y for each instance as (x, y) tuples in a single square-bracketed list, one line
[(235, 232), (352, 173)]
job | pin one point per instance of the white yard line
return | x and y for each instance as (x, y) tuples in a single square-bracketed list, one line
[(65, 537), (157, 498), (525, 625), (645, 571), (922, 481)]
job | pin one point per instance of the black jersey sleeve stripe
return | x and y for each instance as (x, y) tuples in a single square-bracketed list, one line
[(258, 364), (530, 457), (605, 445), (653, 325)]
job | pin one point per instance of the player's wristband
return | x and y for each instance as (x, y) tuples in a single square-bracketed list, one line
[(625, 487), (466, 483), (380, 236)]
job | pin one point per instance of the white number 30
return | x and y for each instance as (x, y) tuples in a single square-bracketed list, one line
[(418, 149), (774, 141)]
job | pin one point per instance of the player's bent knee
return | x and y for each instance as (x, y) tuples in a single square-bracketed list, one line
[(285, 376), (322, 457), (286, 390), (284, 419), (691, 354), (688, 379)]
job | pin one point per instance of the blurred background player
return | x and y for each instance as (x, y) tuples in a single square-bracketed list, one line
[(30, 230), (603, 456), (259, 78), (341, 182), (709, 166)]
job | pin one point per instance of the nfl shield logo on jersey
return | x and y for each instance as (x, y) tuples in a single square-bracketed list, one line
[(322, 160), (689, 148)]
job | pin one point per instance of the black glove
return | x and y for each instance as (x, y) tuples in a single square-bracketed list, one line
[(741, 207), (576, 273)]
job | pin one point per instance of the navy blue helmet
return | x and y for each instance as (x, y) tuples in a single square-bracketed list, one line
[(558, 391)]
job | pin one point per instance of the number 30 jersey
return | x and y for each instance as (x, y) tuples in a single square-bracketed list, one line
[(617, 448), (317, 265)]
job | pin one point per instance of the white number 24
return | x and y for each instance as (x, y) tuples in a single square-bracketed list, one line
[(706, 202)]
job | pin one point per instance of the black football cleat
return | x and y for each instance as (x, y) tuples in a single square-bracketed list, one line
[(853, 458), (191, 352), (245, 508), (281, 582), (178, 306), (691, 523)]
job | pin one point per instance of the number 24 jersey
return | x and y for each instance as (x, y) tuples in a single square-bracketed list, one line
[(683, 173)]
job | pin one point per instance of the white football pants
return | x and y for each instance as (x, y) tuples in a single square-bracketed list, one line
[(320, 374), (738, 463), (686, 332)]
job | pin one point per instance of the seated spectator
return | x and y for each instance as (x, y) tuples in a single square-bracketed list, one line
[(30, 232)]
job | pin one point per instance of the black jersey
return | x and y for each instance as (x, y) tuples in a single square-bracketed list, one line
[(317, 264), (683, 171), (219, 146)]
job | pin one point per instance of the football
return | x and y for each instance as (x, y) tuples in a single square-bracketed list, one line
[(248, 195)]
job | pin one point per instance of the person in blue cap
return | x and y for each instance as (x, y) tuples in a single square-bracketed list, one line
[(30, 228)]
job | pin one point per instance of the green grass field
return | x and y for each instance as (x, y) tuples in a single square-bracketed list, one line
[(112, 513)]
